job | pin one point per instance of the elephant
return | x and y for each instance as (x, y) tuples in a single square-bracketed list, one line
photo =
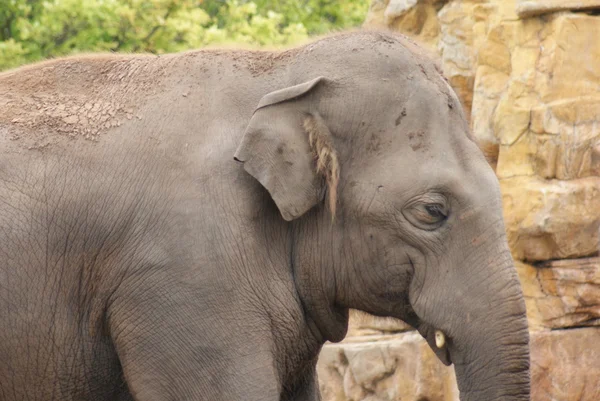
[(197, 225)]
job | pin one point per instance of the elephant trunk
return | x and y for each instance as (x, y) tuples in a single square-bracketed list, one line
[(499, 369), (491, 359)]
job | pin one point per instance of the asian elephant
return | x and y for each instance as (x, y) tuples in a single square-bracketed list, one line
[(195, 226)]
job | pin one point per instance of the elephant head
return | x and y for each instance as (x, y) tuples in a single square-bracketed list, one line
[(392, 207)]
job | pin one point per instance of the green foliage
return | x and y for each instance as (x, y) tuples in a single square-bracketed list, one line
[(31, 30)]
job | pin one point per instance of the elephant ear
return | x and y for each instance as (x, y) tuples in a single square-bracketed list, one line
[(288, 148)]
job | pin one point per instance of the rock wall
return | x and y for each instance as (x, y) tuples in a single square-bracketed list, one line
[(528, 75)]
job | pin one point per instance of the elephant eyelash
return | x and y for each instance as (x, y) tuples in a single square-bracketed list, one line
[(427, 212), (436, 210)]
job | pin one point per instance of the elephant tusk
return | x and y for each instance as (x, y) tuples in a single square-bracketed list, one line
[(440, 339)]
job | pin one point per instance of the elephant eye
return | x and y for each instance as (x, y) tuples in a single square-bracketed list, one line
[(427, 213)]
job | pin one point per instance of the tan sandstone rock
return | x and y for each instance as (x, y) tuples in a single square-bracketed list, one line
[(463, 26), (384, 368), (537, 97), (528, 8), (544, 106), (551, 219), (562, 294), (565, 365), (415, 18)]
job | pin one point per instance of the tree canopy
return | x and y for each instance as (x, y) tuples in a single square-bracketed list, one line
[(31, 30)]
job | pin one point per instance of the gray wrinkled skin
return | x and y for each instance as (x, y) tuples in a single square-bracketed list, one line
[(145, 263)]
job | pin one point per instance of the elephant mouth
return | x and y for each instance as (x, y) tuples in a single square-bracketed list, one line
[(439, 348), (428, 332)]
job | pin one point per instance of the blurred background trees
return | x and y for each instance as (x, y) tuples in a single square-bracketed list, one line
[(31, 30)]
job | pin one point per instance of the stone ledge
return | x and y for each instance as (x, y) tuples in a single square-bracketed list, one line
[(564, 367), (530, 8), (551, 219), (562, 294), (362, 324)]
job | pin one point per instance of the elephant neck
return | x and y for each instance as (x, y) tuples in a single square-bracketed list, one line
[(315, 284)]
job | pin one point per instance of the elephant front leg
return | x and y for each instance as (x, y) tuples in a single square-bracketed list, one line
[(305, 387), (170, 350)]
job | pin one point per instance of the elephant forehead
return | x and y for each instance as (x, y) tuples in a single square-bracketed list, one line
[(429, 150), (425, 121)]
